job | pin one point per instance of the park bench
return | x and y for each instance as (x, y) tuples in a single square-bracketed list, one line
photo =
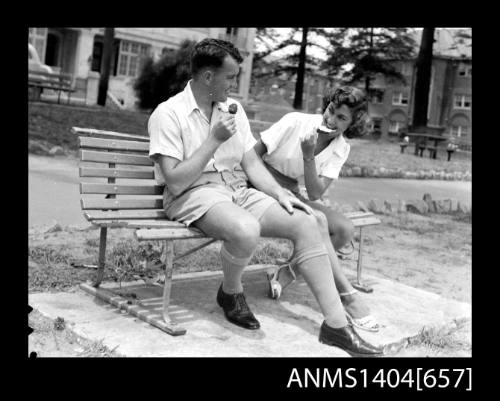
[(432, 151), (109, 204), (59, 82), (403, 146)]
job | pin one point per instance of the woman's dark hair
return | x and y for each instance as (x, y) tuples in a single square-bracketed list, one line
[(355, 99), (211, 53)]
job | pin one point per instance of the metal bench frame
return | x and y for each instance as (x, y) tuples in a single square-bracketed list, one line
[(145, 216)]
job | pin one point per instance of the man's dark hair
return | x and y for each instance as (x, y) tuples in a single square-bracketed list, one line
[(211, 53)]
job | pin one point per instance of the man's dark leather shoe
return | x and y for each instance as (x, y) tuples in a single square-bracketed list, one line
[(236, 310), (347, 339)]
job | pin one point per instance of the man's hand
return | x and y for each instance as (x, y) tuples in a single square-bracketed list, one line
[(288, 201), (224, 129), (308, 144)]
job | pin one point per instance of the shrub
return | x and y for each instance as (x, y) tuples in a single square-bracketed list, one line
[(164, 78)]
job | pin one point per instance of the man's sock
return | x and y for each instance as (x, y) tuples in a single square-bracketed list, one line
[(314, 265), (232, 267)]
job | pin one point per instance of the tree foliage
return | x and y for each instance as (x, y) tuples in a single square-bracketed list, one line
[(162, 79), (269, 41), (369, 51), (296, 63)]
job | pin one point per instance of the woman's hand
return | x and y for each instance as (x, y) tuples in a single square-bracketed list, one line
[(308, 144)]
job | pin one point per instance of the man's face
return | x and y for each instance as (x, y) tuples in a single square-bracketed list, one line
[(224, 79), (337, 119)]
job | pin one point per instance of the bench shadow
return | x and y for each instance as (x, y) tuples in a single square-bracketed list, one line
[(193, 300)]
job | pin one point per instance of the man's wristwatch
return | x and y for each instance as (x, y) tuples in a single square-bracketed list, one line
[(308, 159)]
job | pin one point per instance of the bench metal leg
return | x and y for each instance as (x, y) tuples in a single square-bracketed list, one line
[(167, 259), (358, 284), (102, 257)]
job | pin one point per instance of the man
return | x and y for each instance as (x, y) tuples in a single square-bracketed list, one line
[(205, 157)]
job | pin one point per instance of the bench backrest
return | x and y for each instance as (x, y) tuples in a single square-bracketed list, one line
[(48, 78), (117, 177), (118, 183)]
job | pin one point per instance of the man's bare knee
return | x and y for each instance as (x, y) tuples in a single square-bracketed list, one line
[(306, 227), (245, 233)]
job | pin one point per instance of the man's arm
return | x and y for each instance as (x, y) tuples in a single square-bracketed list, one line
[(262, 179), (179, 175)]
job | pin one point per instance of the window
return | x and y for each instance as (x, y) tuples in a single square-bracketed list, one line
[(395, 127), (406, 69), (465, 71), (97, 55), (399, 99), (459, 131), (131, 56), (377, 124), (38, 38), (377, 96), (462, 102)]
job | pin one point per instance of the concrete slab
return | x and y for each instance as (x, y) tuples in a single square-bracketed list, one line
[(289, 327)]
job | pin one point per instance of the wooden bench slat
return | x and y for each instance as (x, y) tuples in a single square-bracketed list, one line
[(116, 173), (146, 223), (116, 204), (367, 221), (355, 215), (120, 189), (117, 158), (107, 134), (125, 214), (165, 233), (114, 144), (59, 75)]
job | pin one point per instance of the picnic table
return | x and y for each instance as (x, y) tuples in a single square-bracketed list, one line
[(421, 140)]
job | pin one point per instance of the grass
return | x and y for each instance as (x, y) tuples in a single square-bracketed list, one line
[(50, 125), (55, 339), (455, 337), (385, 153), (50, 264)]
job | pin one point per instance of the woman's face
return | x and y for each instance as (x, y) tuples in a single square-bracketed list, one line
[(337, 119)]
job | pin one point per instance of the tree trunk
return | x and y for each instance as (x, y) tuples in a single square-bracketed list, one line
[(109, 34), (299, 86), (367, 77), (423, 81)]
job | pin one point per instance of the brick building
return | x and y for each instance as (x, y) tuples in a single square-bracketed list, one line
[(450, 99)]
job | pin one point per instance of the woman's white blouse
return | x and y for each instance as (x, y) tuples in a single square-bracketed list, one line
[(284, 152)]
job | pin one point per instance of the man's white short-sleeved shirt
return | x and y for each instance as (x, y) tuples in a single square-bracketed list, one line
[(177, 128), (284, 152)]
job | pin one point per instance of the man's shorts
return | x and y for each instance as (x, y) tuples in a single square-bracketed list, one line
[(193, 204)]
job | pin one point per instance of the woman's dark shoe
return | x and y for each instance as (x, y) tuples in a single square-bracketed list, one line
[(347, 339), (236, 310)]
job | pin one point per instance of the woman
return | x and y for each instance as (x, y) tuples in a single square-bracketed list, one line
[(310, 149)]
